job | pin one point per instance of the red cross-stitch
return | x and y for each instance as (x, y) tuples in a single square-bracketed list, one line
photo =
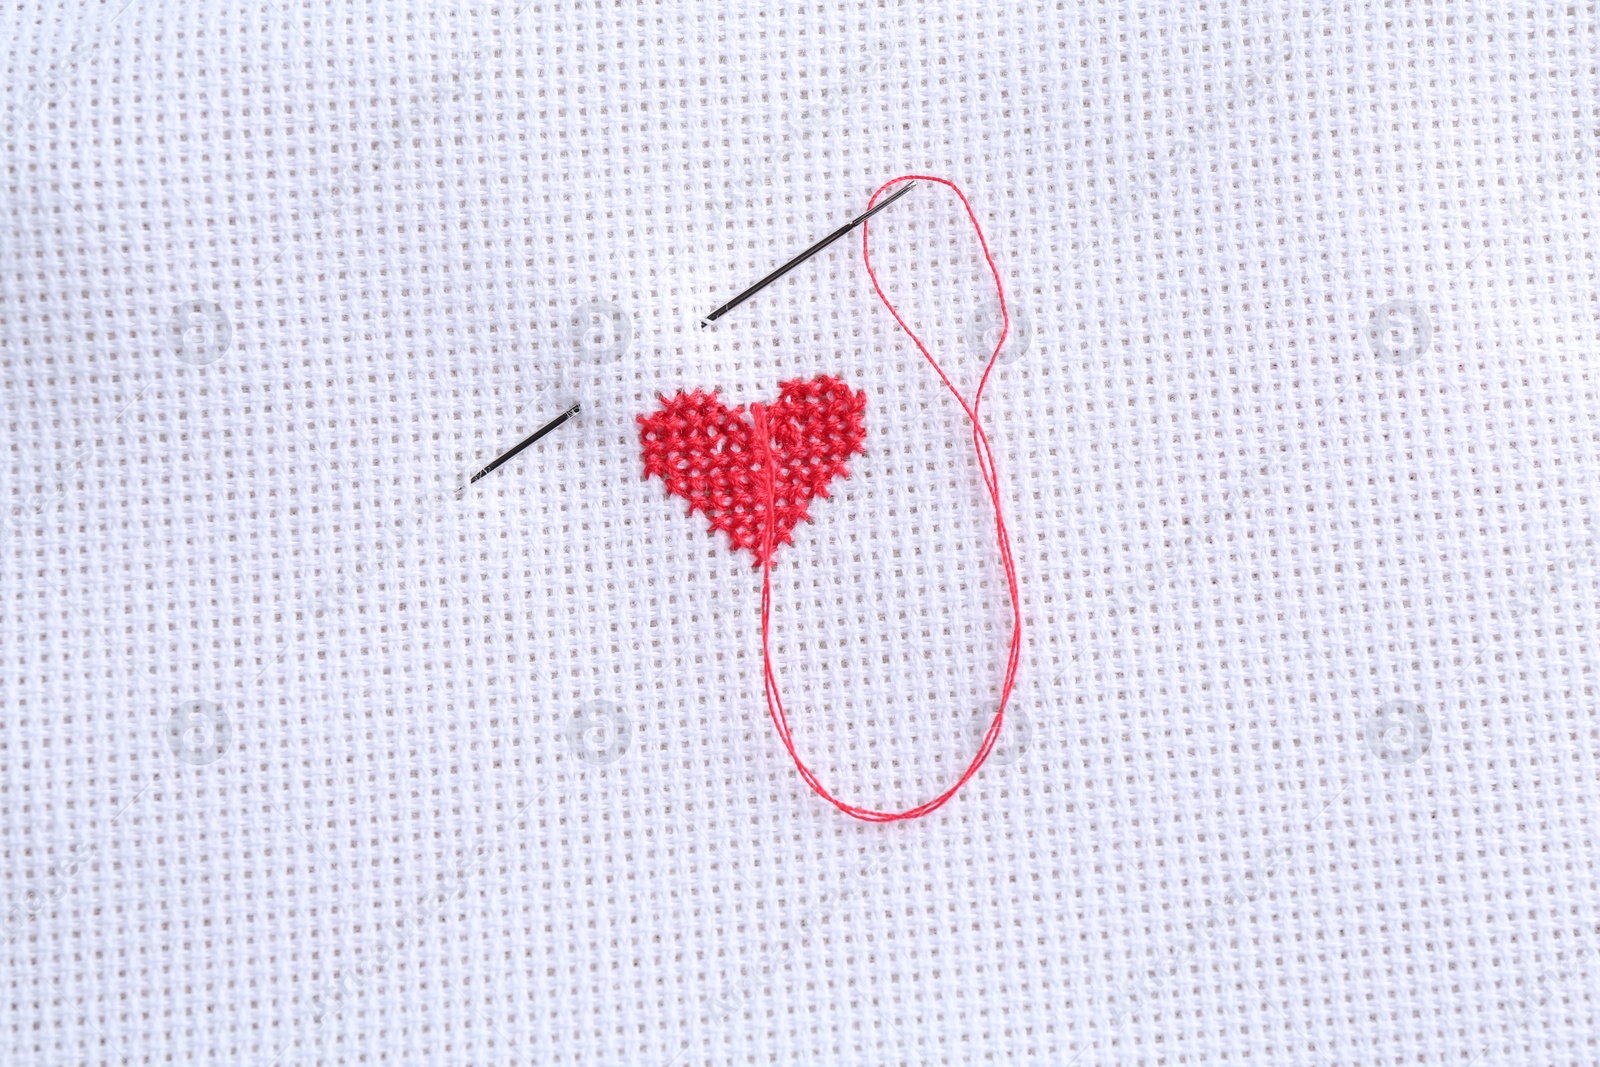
[(710, 455)]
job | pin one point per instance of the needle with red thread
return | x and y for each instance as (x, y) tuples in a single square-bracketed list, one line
[(807, 254)]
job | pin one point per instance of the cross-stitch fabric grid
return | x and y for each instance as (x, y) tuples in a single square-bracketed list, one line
[(307, 757)]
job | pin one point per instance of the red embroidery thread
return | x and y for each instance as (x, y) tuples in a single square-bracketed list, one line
[(708, 454), (777, 462)]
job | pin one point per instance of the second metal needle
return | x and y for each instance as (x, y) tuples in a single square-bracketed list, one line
[(526, 441)]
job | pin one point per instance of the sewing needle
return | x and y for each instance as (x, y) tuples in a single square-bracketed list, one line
[(807, 254), (525, 442)]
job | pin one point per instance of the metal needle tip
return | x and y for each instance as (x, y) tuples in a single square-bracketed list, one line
[(525, 442)]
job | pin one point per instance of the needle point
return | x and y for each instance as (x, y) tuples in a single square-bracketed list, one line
[(524, 443)]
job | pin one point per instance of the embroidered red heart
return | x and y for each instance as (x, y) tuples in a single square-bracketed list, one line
[(710, 455)]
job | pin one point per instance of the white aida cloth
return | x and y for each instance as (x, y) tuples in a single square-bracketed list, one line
[(308, 758)]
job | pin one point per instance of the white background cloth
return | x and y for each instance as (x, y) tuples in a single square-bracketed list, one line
[(306, 759)]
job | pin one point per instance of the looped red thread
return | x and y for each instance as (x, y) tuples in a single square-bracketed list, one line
[(770, 475)]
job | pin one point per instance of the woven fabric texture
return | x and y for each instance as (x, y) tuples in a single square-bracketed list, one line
[(309, 757)]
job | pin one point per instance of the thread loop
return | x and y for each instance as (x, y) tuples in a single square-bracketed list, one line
[(762, 442)]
